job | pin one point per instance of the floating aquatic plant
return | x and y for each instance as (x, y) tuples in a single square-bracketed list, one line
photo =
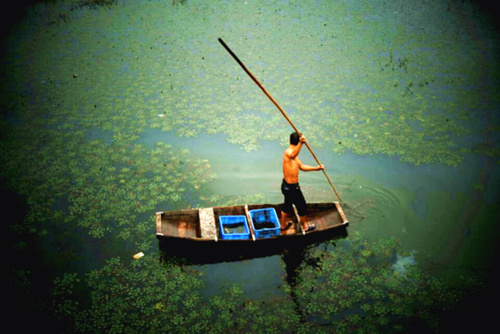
[(368, 286), (407, 93), (346, 289), (382, 100), (144, 296)]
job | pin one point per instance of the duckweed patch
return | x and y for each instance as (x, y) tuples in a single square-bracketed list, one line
[(98, 186), (413, 91), (361, 286), (352, 287), (143, 296), (77, 95)]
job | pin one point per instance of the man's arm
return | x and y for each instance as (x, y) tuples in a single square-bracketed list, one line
[(307, 168)]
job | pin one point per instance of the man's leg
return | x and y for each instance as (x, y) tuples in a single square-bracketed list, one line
[(286, 208), (300, 204)]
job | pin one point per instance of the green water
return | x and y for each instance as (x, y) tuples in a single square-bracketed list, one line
[(115, 112)]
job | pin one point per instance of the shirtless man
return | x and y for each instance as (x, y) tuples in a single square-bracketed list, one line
[(290, 185)]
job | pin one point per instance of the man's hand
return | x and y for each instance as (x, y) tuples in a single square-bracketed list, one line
[(302, 139), (321, 167)]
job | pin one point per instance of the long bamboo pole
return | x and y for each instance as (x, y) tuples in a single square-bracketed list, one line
[(280, 109)]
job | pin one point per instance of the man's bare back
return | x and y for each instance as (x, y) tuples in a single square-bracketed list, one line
[(292, 164)]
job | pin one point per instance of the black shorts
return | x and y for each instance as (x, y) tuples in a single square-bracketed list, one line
[(293, 195)]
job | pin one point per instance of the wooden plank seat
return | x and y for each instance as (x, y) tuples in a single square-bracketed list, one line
[(208, 228)]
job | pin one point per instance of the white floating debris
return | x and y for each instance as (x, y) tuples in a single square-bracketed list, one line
[(138, 255), (403, 264), (161, 115)]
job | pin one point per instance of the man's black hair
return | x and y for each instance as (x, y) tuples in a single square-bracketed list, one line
[(294, 138)]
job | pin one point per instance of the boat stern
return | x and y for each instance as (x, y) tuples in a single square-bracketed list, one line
[(158, 223)]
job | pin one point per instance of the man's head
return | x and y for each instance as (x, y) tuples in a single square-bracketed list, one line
[(294, 138)]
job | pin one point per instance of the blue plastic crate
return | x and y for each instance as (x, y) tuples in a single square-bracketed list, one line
[(233, 227), (265, 223)]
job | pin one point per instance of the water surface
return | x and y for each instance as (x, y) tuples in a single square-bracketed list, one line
[(111, 113)]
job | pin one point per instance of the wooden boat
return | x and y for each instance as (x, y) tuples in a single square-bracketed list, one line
[(195, 233)]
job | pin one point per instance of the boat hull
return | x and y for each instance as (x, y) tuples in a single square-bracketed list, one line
[(182, 235)]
